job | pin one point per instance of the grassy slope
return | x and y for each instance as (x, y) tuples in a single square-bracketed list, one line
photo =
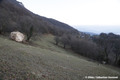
[(45, 61)]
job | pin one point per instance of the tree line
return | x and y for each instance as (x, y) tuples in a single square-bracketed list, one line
[(102, 48)]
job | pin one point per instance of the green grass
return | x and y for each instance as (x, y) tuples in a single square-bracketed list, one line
[(46, 61)]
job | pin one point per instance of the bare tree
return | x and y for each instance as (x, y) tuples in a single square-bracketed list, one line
[(117, 51), (65, 40), (57, 40), (3, 23), (27, 27), (106, 44), (30, 33)]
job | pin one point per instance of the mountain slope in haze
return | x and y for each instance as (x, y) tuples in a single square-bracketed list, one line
[(14, 16), (91, 33)]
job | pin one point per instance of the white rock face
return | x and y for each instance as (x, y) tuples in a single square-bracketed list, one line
[(17, 36)]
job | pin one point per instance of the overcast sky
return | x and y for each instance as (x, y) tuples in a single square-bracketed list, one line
[(80, 12)]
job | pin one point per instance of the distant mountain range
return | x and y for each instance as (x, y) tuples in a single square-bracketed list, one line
[(86, 30), (91, 33), (99, 29)]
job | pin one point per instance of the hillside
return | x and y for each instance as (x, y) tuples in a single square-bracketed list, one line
[(45, 61), (14, 16), (39, 58)]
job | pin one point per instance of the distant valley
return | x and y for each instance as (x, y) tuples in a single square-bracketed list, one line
[(98, 29)]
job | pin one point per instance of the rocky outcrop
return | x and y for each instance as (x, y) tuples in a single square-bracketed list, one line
[(17, 36)]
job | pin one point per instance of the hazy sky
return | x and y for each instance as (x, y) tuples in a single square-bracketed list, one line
[(79, 12)]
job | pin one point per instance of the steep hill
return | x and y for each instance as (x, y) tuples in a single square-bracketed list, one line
[(41, 59), (46, 61), (14, 16)]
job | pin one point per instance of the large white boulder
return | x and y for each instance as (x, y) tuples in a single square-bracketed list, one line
[(17, 36)]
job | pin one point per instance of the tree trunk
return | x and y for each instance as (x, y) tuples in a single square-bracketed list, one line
[(106, 56), (56, 43), (64, 46), (116, 59)]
